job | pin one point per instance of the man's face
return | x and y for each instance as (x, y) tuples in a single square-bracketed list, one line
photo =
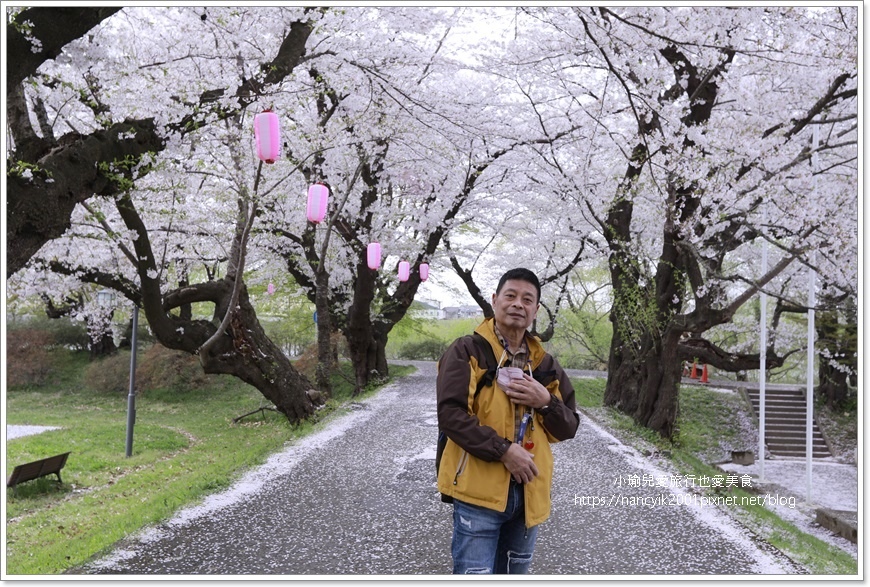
[(516, 305)]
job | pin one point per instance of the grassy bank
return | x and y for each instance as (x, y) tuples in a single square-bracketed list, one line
[(185, 447), (706, 429)]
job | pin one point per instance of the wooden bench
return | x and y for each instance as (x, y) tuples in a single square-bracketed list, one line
[(37, 469)]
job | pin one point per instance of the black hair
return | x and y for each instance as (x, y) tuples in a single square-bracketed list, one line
[(520, 274)]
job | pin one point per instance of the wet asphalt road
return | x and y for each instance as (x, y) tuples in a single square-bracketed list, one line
[(359, 498)]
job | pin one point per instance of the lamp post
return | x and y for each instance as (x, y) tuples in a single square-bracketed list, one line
[(131, 395), (106, 299)]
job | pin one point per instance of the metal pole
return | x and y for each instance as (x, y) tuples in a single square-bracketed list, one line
[(131, 396), (811, 334), (762, 366), (811, 344)]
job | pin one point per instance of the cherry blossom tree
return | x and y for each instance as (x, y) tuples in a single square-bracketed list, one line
[(187, 198), (709, 112), (406, 154)]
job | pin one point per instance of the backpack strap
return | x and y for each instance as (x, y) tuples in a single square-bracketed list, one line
[(489, 363), (544, 377)]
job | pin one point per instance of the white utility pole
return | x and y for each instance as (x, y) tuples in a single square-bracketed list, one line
[(762, 355), (811, 332)]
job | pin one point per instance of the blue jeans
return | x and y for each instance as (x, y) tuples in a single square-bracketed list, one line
[(486, 541)]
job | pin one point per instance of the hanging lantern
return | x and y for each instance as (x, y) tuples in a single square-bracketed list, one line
[(424, 271), (271, 288), (374, 255), (404, 270), (318, 197), (267, 135)]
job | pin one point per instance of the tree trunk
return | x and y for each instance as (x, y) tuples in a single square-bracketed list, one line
[(247, 353), (833, 385), (378, 352), (645, 367), (643, 378), (369, 361), (325, 360), (103, 346), (243, 351), (100, 341), (367, 344), (840, 339)]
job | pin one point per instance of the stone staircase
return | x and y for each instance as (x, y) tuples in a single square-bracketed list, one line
[(786, 423)]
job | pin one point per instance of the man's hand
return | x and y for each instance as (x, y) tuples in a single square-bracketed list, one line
[(520, 463), (528, 392)]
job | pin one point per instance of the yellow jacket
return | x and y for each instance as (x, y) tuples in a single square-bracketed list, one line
[(480, 426)]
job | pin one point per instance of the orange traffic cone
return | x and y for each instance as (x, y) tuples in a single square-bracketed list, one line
[(694, 374), (704, 374)]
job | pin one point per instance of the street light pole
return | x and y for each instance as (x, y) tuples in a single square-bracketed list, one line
[(131, 396)]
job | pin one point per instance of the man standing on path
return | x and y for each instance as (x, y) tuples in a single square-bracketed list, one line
[(500, 418)]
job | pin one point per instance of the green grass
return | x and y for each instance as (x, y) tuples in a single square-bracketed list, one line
[(185, 446), (708, 421), (815, 554), (589, 393), (706, 418)]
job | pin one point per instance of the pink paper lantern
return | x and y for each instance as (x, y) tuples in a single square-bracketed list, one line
[(374, 255), (268, 136), (424, 271), (318, 198), (271, 288), (404, 270)]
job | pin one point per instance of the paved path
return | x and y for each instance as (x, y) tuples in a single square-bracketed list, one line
[(359, 498)]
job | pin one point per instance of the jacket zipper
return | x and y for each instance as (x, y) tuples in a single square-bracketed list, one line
[(462, 461)]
